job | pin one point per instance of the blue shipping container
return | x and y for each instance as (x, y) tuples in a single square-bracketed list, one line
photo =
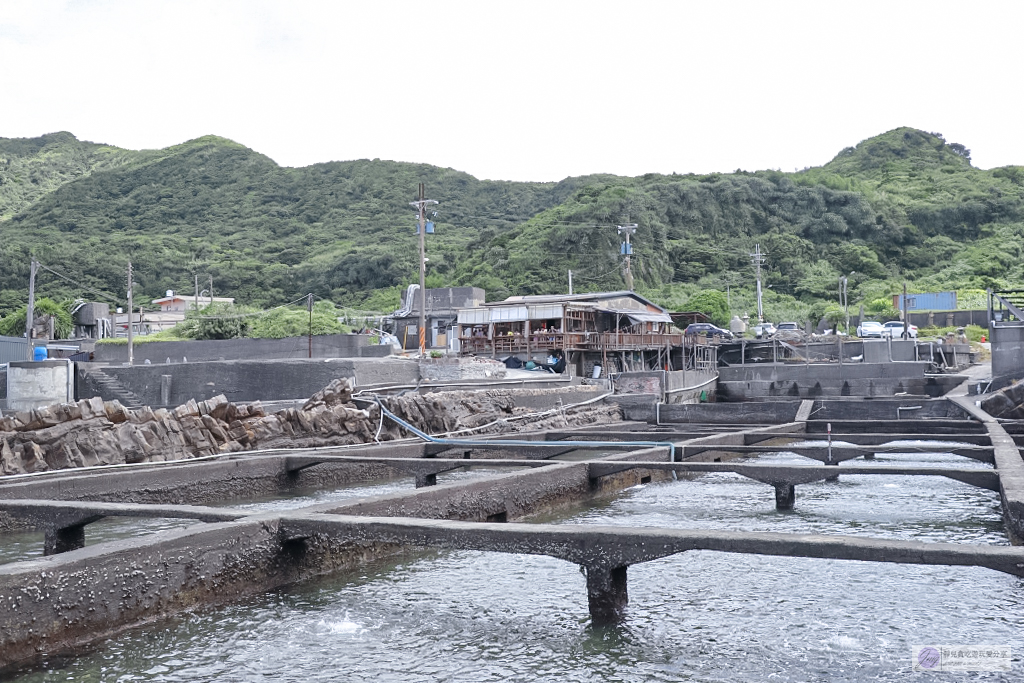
[(929, 301)]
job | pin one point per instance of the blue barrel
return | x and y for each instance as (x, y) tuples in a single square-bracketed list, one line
[(39, 353)]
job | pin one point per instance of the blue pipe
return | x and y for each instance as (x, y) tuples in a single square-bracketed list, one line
[(519, 442)]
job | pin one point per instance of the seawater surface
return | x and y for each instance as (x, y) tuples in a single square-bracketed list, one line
[(698, 616)]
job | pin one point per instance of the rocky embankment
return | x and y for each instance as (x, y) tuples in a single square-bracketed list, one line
[(96, 432), (1006, 403)]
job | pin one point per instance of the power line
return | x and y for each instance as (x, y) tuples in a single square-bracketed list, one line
[(79, 285), (304, 297)]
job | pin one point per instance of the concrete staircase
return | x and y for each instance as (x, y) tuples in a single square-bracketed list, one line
[(112, 389)]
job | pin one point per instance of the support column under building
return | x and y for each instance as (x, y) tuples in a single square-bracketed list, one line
[(606, 593), (63, 539), (785, 496)]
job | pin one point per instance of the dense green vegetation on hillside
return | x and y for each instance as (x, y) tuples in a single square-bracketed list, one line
[(901, 206)]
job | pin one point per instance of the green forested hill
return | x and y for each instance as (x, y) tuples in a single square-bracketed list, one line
[(903, 205)]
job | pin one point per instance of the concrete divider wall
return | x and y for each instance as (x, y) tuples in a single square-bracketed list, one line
[(198, 483), (886, 409), (324, 346), (243, 381), (34, 384), (547, 399), (801, 380), (512, 496), (97, 589), (672, 387), (774, 412), (1007, 348)]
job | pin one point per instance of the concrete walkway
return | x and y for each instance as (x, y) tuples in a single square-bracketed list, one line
[(975, 373)]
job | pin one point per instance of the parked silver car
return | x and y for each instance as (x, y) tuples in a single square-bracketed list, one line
[(789, 332)]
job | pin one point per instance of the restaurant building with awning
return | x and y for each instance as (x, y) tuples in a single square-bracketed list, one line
[(620, 330)]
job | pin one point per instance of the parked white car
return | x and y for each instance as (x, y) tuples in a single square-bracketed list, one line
[(894, 329), (869, 328)]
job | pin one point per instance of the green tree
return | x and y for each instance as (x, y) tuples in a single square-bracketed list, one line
[(881, 309), (834, 316), (712, 303), (13, 325), (295, 322), (218, 321)]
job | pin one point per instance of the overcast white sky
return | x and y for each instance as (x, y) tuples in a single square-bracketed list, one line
[(519, 90)]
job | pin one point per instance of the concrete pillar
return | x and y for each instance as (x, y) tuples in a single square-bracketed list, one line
[(165, 390), (785, 496), (61, 540), (606, 594), (426, 480)]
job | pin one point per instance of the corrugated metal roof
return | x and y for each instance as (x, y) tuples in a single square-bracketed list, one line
[(640, 317), (534, 299)]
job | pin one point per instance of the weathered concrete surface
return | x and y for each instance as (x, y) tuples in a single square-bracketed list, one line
[(170, 571), (839, 453), (792, 475), (774, 412), (324, 346), (863, 439), (1010, 466), (799, 380), (63, 513), (606, 546), (556, 396), (448, 369), (1007, 340), (64, 600), (923, 429), (245, 380), (885, 409), (64, 523), (674, 386), (510, 495), (33, 384)]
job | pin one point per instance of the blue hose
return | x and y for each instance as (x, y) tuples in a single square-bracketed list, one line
[(519, 442)]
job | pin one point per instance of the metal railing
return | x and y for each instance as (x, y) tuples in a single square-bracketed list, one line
[(581, 341), (1011, 301)]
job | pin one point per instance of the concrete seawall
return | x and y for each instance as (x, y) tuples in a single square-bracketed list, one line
[(243, 380), (324, 346)]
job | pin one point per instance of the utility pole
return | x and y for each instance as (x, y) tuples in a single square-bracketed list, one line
[(211, 290), (421, 207), (844, 297), (758, 259), (570, 283), (906, 314), (627, 250), (131, 336), (30, 311), (309, 305), (197, 292)]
